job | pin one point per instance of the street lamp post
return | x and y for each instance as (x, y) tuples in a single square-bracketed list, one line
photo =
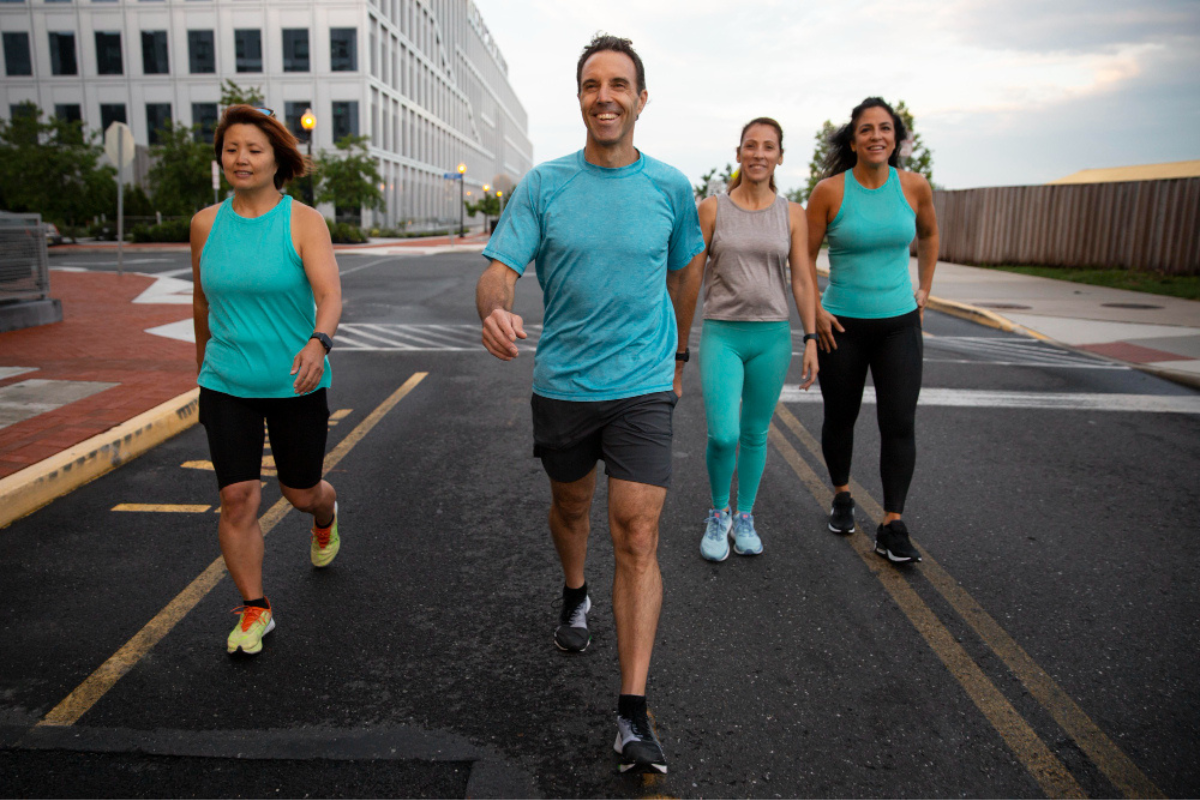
[(462, 198), (483, 202), (309, 121)]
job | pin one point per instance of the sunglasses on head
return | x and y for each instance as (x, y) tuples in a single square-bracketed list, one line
[(266, 111)]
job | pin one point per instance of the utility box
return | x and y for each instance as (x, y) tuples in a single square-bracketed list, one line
[(25, 274)]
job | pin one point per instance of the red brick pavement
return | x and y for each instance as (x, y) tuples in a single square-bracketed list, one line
[(101, 338)]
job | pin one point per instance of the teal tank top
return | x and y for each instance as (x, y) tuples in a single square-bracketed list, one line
[(261, 310), (868, 252)]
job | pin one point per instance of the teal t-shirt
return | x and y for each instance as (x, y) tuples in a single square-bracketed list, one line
[(261, 310), (602, 241), (868, 252)]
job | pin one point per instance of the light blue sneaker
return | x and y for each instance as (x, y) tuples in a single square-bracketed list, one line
[(715, 544), (745, 538)]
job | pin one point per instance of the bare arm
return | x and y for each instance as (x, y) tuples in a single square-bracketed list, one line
[(201, 225), (927, 240), (819, 212), (684, 286), (494, 296), (311, 235), (804, 289)]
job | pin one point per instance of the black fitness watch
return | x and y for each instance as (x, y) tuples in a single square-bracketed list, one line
[(811, 337), (686, 355), (324, 339)]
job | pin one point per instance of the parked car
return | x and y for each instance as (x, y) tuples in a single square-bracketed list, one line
[(53, 237)]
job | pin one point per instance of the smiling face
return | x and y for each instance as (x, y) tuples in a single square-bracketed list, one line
[(609, 99), (759, 153), (248, 158), (874, 137)]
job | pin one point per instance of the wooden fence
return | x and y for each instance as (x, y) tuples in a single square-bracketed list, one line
[(1141, 225)]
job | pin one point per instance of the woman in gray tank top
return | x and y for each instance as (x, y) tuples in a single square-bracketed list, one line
[(752, 236)]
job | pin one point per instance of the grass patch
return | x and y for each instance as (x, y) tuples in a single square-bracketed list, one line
[(1184, 286)]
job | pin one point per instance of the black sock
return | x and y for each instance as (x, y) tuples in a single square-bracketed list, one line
[(259, 603), (631, 706), (573, 597)]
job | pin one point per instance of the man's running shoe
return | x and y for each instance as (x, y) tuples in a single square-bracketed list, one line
[(891, 542), (572, 634), (638, 746), (247, 635), (745, 538), (325, 542), (841, 515), (715, 544)]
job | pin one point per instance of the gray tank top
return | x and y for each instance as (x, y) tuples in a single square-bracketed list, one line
[(746, 277)]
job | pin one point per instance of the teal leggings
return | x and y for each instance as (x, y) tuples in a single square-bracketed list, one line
[(742, 367)]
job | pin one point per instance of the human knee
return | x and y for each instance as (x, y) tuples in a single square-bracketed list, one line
[(303, 500), (240, 499), (571, 509), (636, 541), (723, 442)]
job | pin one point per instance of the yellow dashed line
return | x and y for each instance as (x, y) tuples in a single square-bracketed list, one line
[(165, 508), (208, 465), (88, 693)]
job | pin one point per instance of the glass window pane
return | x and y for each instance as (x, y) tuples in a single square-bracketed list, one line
[(204, 118), (110, 113), (343, 49), (158, 116), (108, 53), (154, 53), (62, 54), (248, 44), (345, 119), (295, 50), (202, 57), (16, 53)]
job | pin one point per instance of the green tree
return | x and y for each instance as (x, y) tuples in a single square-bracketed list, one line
[(921, 159), (488, 205), (232, 94), (816, 165), (181, 178), (52, 167), (711, 182), (349, 179)]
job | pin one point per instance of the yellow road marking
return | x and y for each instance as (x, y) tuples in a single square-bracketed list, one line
[(208, 465), (1047, 770), (166, 508), (339, 415), (88, 693), (1103, 752)]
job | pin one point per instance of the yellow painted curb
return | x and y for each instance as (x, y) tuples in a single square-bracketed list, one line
[(26, 491)]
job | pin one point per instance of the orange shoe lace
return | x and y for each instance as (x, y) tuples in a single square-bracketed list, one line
[(250, 615), (322, 535)]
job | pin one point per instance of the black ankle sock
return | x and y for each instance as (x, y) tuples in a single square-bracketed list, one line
[(574, 596), (259, 603), (631, 706)]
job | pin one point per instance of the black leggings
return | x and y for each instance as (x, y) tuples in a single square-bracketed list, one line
[(893, 349)]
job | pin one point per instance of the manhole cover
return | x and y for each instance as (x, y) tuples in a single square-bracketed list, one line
[(1130, 305), (1004, 306)]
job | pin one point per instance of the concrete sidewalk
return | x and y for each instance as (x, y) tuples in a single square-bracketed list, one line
[(81, 397)]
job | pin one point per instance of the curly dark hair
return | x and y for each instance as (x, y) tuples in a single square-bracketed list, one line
[(601, 42), (290, 162), (841, 157)]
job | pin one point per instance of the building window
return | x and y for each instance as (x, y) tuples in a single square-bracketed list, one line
[(345, 119), (110, 113), (62, 54), (68, 112), (202, 57), (248, 46), (292, 114), (108, 53), (16, 54), (26, 110), (158, 116), (295, 50), (204, 121), (343, 49), (154, 53)]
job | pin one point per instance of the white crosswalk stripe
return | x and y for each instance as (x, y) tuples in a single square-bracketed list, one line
[(363, 336), (1057, 401)]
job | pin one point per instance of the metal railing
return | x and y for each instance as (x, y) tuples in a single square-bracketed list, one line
[(24, 265)]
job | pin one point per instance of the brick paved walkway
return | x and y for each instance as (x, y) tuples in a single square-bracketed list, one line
[(101, 338)]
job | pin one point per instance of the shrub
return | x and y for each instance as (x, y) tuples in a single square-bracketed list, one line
[(174, 230), (345, 233)]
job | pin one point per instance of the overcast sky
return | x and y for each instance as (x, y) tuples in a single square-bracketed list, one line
[(1013, 92)]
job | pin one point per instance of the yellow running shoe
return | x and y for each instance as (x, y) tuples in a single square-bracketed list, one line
[(255, 623), (325, 542)]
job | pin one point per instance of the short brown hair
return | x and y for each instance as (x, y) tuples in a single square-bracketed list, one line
[(290, 162), (602, 42)]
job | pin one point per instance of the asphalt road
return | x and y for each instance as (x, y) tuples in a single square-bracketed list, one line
[(1046, 646)]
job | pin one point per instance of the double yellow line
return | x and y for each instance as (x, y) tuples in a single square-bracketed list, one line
[(88, 693), (1047, 769)]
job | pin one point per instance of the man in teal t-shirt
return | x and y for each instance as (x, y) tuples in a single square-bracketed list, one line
[(614, 237)]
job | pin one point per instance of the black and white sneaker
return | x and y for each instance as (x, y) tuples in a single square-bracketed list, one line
[(891, 542), (638, 746), (841, 515), (572, 634)]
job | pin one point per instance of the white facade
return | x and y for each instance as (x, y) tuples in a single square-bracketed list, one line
[(425, 82)]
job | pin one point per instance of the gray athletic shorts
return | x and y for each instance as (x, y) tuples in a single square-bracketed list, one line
[(632, 436)]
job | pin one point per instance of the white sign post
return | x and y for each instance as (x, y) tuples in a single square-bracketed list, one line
[(119, 147), (216, 169)]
